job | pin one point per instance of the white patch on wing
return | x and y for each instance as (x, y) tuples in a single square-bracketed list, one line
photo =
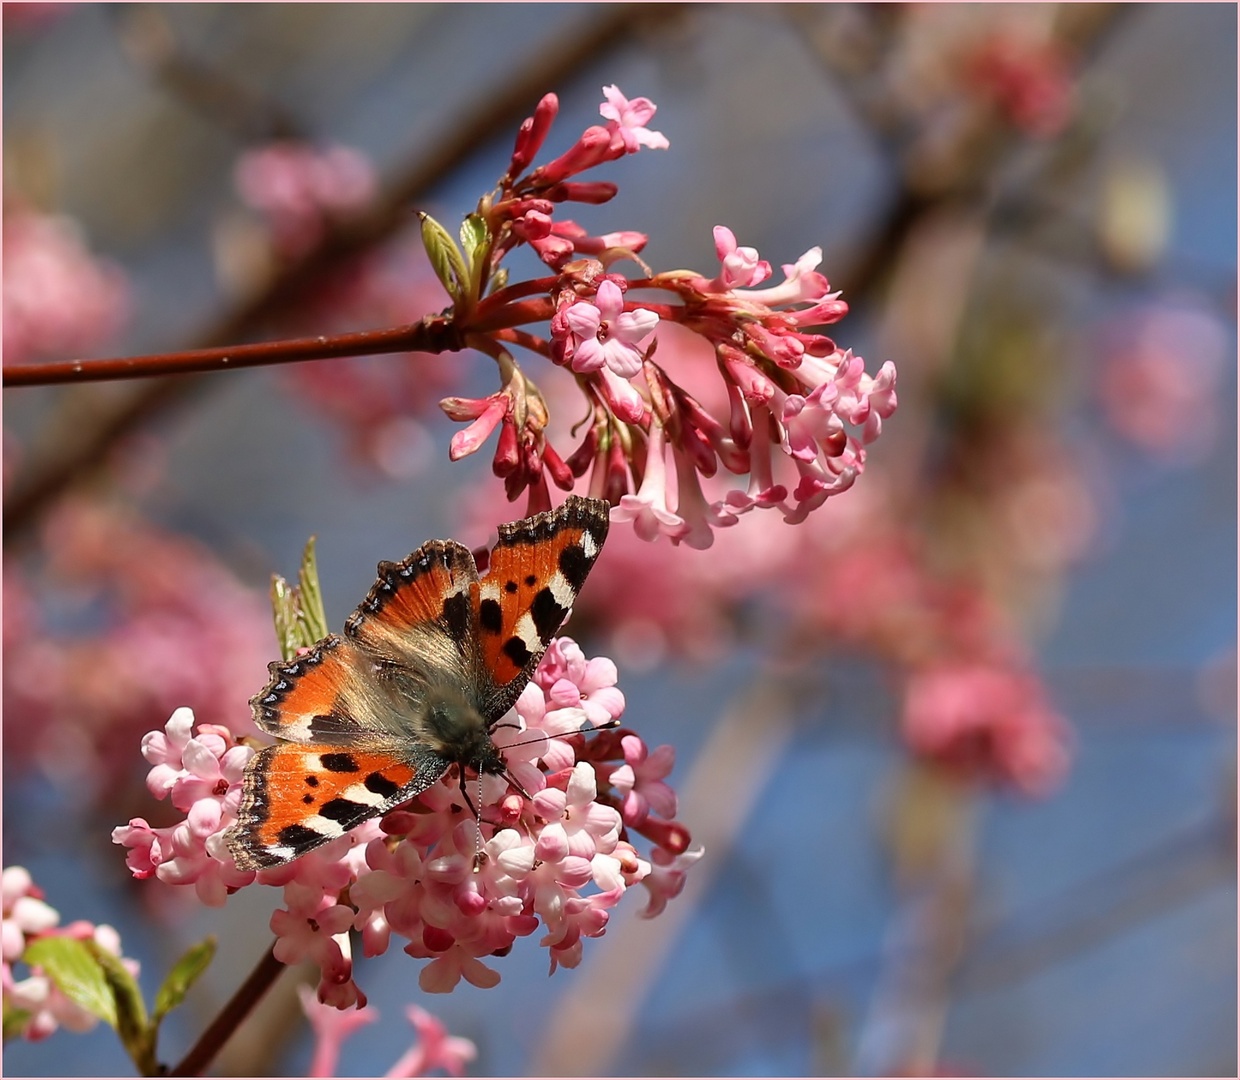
[(588, 545), (324, 826), (528, 633), (561, 592), (363, 796), (298, 732)]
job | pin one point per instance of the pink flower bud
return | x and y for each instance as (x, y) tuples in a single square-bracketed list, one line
[(532, 133), (507, 451), (594, 192)]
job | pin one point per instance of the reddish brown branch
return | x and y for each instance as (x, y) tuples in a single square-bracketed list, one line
[(431, 335), (242, 1003)]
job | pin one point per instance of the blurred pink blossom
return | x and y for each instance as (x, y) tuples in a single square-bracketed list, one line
[(135, 604), (300, 189), (60, 301), (988, 721), (1160, 378)]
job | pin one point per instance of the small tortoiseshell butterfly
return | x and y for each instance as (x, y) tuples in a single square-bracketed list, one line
[(428, 663)]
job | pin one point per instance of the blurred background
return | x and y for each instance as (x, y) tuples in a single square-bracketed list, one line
[(960, 747)]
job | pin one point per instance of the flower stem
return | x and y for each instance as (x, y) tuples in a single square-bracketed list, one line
[(203, 1052), (433, 334)]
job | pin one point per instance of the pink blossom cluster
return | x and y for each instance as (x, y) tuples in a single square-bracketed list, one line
[(28, 917), (134, 603), (60, 300), (560, 859), (795, 414), (301, 189)]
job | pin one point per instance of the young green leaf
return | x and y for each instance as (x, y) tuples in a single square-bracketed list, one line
[(313, 618), (182, 976), (445, 257), (284, 611), (298, 609), (136, 1032), (74, 969)]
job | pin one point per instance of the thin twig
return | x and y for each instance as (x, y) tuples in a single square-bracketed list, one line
[(432, 335), (221, 1029)]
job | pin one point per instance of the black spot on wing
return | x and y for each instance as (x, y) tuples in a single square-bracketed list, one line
[(307, 799), (339, 762), (547, 614), (530, 580), (512, 586), (490, 616), (312, 781), (345, 812), (381, 785), (456, 615), (516, 651)]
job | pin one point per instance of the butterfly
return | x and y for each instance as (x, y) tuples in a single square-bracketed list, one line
[(427, 665)]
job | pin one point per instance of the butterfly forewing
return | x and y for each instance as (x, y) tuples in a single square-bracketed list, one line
[(536, 570)]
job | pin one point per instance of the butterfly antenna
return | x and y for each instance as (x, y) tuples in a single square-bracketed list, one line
[(479, 857), (586, 730)]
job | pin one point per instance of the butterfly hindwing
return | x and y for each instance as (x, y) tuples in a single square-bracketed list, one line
[(536, 570), (296, 797)]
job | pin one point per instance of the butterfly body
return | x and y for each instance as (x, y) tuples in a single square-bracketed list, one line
[(427, 665)]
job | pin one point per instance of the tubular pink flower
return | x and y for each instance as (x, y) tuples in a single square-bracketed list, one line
[(623, 400), (597, 245), (741, 266), (667, 878), (762, 490), (593, 193), (640, 781), (700, 517), (492, 411), (755, 386), (593, 148), (331, 1028), (801, 283), (628, 120), (435, 1048), (607, 335), (648, 510)]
